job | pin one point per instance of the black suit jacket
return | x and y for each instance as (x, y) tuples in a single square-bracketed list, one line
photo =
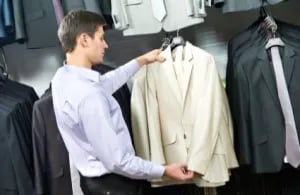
[(51, 161), (16, 170), (251, 88)]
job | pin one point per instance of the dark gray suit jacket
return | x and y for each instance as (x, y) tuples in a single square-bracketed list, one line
[(70, 5), (41, 25), (251, 88), (243, 5), (18, 12)]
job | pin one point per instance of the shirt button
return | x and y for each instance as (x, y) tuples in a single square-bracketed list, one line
[(108, 193), (184, 136)]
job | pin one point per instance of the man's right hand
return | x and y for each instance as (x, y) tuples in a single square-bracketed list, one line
[(178, 171)]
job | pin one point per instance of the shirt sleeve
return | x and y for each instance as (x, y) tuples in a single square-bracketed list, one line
[(113, 80), (95, 118)]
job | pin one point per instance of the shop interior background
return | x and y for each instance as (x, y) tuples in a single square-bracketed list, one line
[(36, 67)]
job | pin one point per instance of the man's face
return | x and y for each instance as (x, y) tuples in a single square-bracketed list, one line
[(97, 46)]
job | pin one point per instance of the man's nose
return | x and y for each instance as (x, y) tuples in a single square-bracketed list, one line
[(105, 45)]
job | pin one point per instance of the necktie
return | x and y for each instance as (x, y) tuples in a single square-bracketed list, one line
[(199, 8), (158, 9), (119, 14), (292, 146), (58, 10)]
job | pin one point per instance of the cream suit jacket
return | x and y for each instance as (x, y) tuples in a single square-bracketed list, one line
[(184, 117), (135, 17)]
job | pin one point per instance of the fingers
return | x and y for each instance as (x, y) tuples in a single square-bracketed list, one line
[(187, 175), (179, 171), (160, 59)]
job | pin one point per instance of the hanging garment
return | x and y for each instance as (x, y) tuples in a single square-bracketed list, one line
[(40, 20), (58, 9), (51, 162), (192, 125), (250, 84), (139, 17), (12, 26), (70, 5), (16, 170), (237, 5)]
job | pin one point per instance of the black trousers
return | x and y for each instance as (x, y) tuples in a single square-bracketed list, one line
[(110, 184)]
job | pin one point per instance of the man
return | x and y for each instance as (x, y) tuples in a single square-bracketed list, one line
[(89, 118)]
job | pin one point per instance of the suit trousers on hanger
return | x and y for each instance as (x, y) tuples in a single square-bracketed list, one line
[(109, 184)]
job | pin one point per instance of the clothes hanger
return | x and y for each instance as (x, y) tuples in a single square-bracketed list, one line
[(3, 67), (268, 23), (177, 41), (270, 27), (166, 41), (262, 11)]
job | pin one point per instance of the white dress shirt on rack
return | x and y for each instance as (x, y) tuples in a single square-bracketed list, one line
[(151, 16)]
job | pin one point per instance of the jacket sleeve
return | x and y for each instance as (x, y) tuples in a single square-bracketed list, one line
[(39, 155), (208, 120), (138, 116), (154, 128), (238, 98)]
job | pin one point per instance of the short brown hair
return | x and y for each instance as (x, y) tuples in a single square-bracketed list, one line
[(76, 23)]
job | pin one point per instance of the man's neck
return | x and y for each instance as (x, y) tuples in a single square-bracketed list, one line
[(78, 60)]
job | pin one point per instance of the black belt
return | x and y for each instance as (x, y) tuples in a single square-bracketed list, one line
[(112, 183)]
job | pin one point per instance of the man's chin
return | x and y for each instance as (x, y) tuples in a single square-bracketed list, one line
[(97, 63)]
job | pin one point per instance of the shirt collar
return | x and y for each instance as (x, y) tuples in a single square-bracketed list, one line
[(82, 72)]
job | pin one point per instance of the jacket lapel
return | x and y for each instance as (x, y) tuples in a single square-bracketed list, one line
[(169, 71), (268, 73), (288, 63), (188, 65)]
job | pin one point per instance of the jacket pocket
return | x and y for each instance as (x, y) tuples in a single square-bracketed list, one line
[(260, 139), (134, 2), (35, 15), (58, 173), (169, 139)]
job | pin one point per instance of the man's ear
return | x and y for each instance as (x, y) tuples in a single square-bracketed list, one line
[(83, 40)]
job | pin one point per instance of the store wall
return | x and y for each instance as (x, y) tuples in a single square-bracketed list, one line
[(36, 67)]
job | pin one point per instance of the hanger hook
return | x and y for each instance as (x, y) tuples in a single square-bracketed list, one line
[(265, 1), (5, 68)]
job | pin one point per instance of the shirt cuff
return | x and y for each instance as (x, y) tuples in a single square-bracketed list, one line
[(135, 65), (157, 171), (132, 67)]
